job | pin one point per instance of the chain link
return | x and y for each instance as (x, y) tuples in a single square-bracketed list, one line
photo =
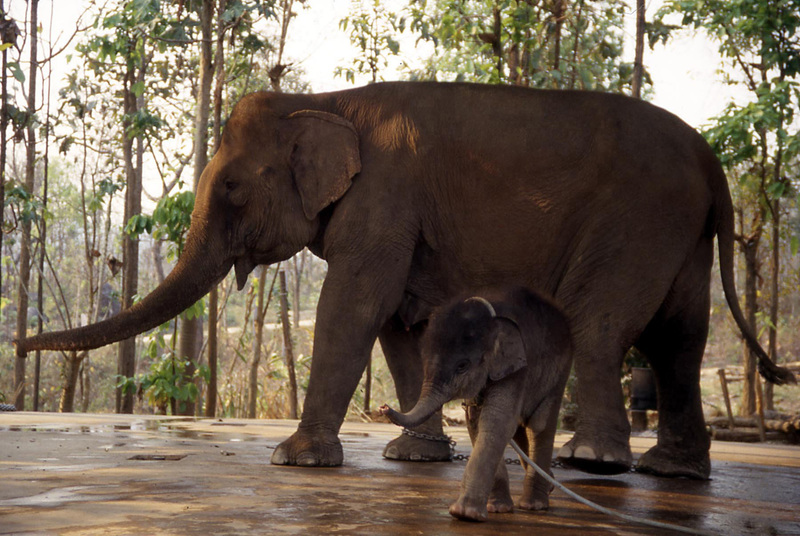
[(464, 457), (439, 439)]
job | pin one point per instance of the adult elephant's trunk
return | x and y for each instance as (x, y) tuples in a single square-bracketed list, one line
[(197, 270), (430, 401)]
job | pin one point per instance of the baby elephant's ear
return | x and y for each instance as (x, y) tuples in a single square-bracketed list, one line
[(508, 355)]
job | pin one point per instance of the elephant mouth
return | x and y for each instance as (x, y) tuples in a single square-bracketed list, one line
[(242, 266)]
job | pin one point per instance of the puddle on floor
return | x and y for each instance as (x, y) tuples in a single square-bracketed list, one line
[(61, 496)]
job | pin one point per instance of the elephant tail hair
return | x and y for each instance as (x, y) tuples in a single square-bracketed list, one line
[(725, 238)]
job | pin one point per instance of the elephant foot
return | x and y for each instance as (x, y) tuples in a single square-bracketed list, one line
[(664, 461), (500, 503), (586, 455), (535, 504), (307, 449), (536, 498), (469, 510), (416, 449)]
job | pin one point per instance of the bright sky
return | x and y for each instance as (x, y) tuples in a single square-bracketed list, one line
[(684, 72)]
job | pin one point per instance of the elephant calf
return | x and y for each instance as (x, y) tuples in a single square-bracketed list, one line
[(508, 353)]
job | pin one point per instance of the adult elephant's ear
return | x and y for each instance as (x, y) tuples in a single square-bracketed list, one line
[(508, 355), (325, 157)]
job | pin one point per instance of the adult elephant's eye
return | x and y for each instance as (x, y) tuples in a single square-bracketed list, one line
[(462, 366), (236, 195)]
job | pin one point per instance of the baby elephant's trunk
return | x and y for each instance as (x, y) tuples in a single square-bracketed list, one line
[(430, 401)]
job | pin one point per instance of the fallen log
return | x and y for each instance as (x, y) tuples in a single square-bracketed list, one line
[(744, 435), (791, 424)]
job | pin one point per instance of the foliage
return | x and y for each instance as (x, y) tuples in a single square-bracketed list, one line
[(756, 140), (372, 28), (25, 207), (553, 43), (759, 38), (165, 384), (170, 221)]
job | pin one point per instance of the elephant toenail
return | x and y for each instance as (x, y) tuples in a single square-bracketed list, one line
[(585, 453), (565, 452), (307, 460), (279, 458)]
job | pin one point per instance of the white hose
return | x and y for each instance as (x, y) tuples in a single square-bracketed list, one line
[(603, 509)]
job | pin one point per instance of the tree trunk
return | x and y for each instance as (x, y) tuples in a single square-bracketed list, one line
[(298, 265), (3, 129), (40, 278), (638, 64), (25, 242), (86, 386), (774, 300), (368, 387), (72, 367), (750, 250), (559, 9), (213, 352), (191, 328), (213, 297), (252, 392), (130, 244), (575, 46), (287, 345)]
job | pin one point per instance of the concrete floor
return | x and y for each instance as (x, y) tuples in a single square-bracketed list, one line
[(113, 474)]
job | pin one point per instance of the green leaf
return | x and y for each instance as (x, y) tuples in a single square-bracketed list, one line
[(776, 190), (196, 310), (138, 89), (16, 71)]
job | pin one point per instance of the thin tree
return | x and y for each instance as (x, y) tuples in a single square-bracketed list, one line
[(638, 62), (213, 296), (25, 242), (287, 345), (8, 38), (191, 325), (133, 152), (261, 314), (43, 234)]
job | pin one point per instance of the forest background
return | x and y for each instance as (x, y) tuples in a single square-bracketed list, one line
[(108, 122)]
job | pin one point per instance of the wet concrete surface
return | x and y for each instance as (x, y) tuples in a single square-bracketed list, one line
[(113, 474)]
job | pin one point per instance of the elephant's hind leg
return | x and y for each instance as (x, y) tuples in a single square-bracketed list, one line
[(401, 349), (674, 343), (600, 444)]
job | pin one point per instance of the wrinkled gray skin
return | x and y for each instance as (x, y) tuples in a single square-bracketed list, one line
[(508, 353), (417, 192)]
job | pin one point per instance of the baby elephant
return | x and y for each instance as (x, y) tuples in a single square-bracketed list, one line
[(508, 353)]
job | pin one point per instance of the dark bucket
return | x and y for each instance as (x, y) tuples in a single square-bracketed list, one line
[(643, 389)]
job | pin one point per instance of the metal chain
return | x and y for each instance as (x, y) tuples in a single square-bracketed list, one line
[(463, 457), (439, 439)]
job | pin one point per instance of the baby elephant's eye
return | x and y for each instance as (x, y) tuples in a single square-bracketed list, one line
[(462, 367)]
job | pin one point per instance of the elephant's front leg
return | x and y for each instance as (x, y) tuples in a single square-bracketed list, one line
[(496, 425), (402, 351), (355, 300), (500, 501)]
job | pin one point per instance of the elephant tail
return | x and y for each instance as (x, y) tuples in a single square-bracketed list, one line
[(725, 238)]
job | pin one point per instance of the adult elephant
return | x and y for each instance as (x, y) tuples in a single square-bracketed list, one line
[(414, 192)]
